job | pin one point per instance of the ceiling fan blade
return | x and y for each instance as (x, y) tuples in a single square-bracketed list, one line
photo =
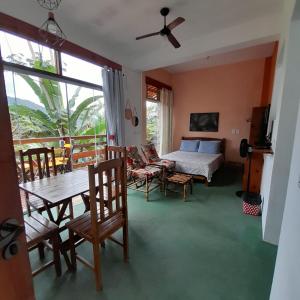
[(175, 23), (147, 35), (173, 40)]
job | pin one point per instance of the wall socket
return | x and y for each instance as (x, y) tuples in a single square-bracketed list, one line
[(235, 131)]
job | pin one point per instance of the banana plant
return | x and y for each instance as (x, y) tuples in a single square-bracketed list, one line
[(57, 118)]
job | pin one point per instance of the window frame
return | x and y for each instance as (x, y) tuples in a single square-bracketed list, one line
[(30, 32), (58, 76), (159, 85)]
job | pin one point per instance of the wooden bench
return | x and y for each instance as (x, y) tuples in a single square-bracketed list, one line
[(39, 229)]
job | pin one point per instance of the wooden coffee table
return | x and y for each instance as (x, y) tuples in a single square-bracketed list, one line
[(180, 179)]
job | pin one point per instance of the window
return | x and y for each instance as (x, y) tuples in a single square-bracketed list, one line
[(152, 92), (50, 108), (27, 53), (152, 120), (77, 68), (38, 107), (152, 115)]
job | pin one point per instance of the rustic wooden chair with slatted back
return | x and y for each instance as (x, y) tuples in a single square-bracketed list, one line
[(38, 229), (38, 161), (102, 221), (41, 164), (107, 153), (116, 152)]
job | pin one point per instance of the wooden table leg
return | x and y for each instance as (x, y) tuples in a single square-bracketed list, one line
[(61, 213), (56, 257), (86, 202), (166, 187), (184, 192)]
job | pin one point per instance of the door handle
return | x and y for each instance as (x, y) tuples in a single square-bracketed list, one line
[(10, 229)]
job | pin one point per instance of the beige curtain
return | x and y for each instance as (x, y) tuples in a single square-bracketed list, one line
[(166, 116)]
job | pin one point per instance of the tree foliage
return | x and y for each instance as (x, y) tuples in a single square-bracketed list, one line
[(152, 122), (55, 118)]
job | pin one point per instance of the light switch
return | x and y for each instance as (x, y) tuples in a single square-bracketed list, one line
[(237, 131)]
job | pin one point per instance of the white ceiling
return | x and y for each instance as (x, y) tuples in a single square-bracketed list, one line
[(254, 52), (109, 27)]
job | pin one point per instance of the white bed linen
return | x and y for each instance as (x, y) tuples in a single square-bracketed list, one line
[(196, 163)]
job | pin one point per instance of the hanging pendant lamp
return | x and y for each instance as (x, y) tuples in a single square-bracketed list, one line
[(50, 31)]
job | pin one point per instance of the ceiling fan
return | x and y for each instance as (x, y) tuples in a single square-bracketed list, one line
[(167, 29)]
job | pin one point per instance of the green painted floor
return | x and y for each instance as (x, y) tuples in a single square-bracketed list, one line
[(201, 249)]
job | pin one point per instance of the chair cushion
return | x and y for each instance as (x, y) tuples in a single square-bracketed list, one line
[(189, 145), (168, 164), (150, 153), (210, 147), (134, 160), (147, 172)]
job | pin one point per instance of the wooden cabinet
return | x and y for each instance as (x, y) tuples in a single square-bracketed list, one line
[(256, 172), (258, 130), (258, 125)]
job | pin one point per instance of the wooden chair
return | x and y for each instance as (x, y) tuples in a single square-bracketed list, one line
[(108, 153), (116, 152), (39, 167), (61, 160), (39, 229), (142, 176), (102, 221), (152, 158)]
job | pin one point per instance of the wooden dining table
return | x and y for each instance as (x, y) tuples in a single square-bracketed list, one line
[(58, 191)]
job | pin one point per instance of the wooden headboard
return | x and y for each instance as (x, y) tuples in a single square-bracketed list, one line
[(222, 146)]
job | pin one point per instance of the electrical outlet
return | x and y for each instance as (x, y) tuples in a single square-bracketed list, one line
[(299, 181)]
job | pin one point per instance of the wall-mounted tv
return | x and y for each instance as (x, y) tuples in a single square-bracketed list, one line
[(204, 122)]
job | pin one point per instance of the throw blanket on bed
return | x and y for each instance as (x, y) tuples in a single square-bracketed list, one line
[(196, 163)]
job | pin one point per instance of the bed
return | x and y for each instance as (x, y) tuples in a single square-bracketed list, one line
[(200, 165)]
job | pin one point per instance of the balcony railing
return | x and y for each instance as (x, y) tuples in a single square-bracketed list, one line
[(81, 150)]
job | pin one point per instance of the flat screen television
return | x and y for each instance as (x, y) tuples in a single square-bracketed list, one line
[(204, 122)]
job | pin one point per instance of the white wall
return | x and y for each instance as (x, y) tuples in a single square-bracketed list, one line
[(284, 113), (265, 189), (133, 92), (287, 270)]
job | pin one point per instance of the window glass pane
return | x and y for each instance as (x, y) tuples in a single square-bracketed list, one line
[(87, 124), (152, 122), (80, 69), (24, 52), (38, 106), (39, 115), (48, 113)]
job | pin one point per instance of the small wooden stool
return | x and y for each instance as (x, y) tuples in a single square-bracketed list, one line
[(39, 229), (180, 179)]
